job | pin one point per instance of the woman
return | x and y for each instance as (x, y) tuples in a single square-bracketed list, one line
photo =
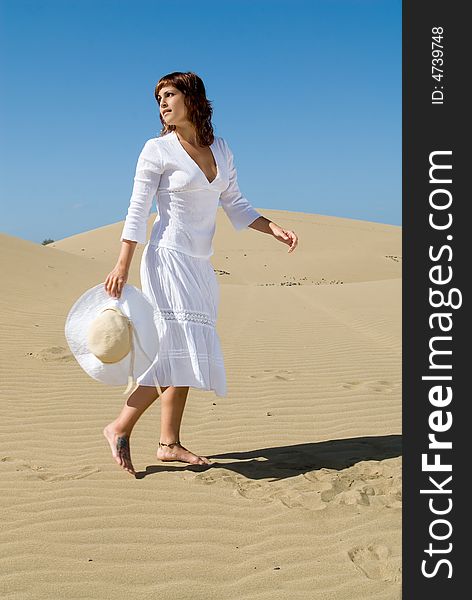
[(192, 171)]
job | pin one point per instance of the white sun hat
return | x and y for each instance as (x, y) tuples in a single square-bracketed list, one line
[(114, 340)]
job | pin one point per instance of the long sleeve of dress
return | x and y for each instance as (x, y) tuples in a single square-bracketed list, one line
[(239, 211), (146, 181)]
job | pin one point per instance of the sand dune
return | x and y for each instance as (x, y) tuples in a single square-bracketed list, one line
[(304, 498)]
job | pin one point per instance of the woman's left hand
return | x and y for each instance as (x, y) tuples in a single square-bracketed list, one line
[(285, 235)]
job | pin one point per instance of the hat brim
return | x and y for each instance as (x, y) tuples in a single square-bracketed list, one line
[(134, 304)]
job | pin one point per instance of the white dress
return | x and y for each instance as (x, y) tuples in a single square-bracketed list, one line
[(176, 273)]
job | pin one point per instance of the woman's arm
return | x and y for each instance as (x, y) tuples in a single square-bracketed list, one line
[(118, 276), (236, 206), (148, 173), (126, 254), (262, 224), (146, 182), (242, 214), (284, 235)]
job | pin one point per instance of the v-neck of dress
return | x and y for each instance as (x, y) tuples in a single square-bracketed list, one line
[(195, 162)]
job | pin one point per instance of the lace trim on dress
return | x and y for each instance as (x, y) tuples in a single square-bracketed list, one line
[(186, 315)]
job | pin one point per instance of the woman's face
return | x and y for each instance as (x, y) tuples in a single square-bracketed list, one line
[(172, 106)]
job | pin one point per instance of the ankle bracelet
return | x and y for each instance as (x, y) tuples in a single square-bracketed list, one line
[(172, 444)]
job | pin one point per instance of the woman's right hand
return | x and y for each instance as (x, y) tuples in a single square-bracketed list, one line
[(116, 280)]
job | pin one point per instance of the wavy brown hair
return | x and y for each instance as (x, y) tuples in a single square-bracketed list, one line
[(199, 109)]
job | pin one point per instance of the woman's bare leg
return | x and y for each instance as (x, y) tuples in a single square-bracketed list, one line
[(172, 409), (119, 431), (173, 401)]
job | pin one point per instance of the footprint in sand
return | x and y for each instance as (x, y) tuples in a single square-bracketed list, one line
[(34, 471), (53, 353), (393, 257), (377, 484), (377, 386), (376, 562), (367, 485), (289, 493), (271, 374), (340, 493)]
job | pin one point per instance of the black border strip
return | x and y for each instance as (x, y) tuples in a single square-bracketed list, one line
[(434, 272)]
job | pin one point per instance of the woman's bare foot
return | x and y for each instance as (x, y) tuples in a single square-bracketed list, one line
[(119, 444), (178, 452)]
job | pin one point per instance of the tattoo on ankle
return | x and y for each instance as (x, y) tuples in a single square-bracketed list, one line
[(121, 443)]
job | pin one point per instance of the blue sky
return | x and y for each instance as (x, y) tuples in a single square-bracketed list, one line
[(307, 93)]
